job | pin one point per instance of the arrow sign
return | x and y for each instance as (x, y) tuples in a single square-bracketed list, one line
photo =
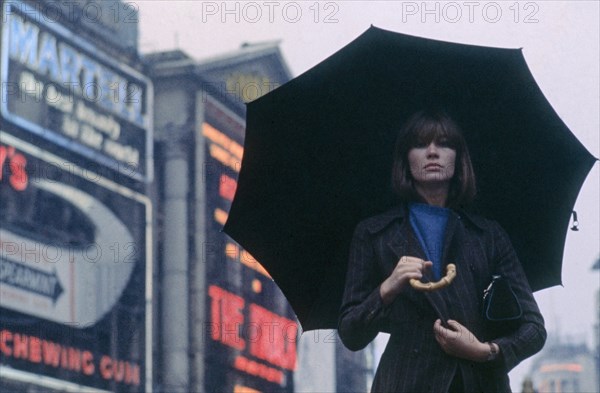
[(29, 279)]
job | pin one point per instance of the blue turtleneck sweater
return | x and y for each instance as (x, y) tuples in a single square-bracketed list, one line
[(429, 224)]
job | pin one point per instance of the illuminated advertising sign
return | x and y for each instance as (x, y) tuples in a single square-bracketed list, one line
[(74, 248), (251, 336), (67, 91)]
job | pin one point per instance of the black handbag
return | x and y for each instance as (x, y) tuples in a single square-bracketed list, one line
[(500, 303)]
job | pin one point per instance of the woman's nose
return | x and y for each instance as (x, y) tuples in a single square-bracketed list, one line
[(432, 149)]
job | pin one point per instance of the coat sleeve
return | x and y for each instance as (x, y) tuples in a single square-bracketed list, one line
[(363, 314), (530, 336)]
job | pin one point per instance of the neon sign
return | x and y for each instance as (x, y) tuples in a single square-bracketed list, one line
[(264, 335), (70, 242), (252, 340), (15, 163), (65, 90), (51, 354), (41, 52)]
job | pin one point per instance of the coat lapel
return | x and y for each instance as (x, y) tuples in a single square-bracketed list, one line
[(403, 242), (464, 285)]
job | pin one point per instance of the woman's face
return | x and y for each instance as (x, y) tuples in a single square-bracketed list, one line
[(432, 164)]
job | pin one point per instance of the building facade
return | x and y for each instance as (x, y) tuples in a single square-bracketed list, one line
[(563, 367), (75, 218), (569, 367), (224, 325)]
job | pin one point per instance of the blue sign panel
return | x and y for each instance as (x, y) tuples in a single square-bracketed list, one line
[(67, 91)]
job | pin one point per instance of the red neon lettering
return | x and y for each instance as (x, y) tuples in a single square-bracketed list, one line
[(106, 367), (74, 359), (227, 187), (240, 363), (64, 359), (5, 339), (87, 360), (119, 370), (16, 164), (226, 312), (35, 350), (275, 341), (3, 156), (18, 179), (51, 353), (20, 346), (258, 370)]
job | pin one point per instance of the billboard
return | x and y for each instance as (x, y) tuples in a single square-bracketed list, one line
[(74, 272), (251, 331), (67, 91)]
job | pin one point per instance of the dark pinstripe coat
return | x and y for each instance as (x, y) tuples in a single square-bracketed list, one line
[(413, 361)]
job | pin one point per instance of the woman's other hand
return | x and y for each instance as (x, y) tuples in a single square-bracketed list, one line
[(458, 341), (406, 269)]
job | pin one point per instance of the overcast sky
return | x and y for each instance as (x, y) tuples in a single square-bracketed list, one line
[(559, 40)]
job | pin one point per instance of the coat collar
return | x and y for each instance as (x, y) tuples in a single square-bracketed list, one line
[(399, 212), (397, 215)]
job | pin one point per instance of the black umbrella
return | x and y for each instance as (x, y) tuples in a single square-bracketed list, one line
[(318, 156)]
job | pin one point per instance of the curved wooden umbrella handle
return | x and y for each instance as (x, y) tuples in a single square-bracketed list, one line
[(432, 286)]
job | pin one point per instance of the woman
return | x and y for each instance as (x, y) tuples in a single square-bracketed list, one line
[(439, 341)]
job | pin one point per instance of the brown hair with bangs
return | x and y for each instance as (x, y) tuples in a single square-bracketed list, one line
[(421, 129)]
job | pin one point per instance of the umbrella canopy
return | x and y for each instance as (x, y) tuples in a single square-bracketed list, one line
[(318, 158)]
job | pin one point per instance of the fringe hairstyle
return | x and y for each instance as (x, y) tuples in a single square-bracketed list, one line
[(421, 129)]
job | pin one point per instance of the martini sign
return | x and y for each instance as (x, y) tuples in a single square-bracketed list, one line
[(67, 91)]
